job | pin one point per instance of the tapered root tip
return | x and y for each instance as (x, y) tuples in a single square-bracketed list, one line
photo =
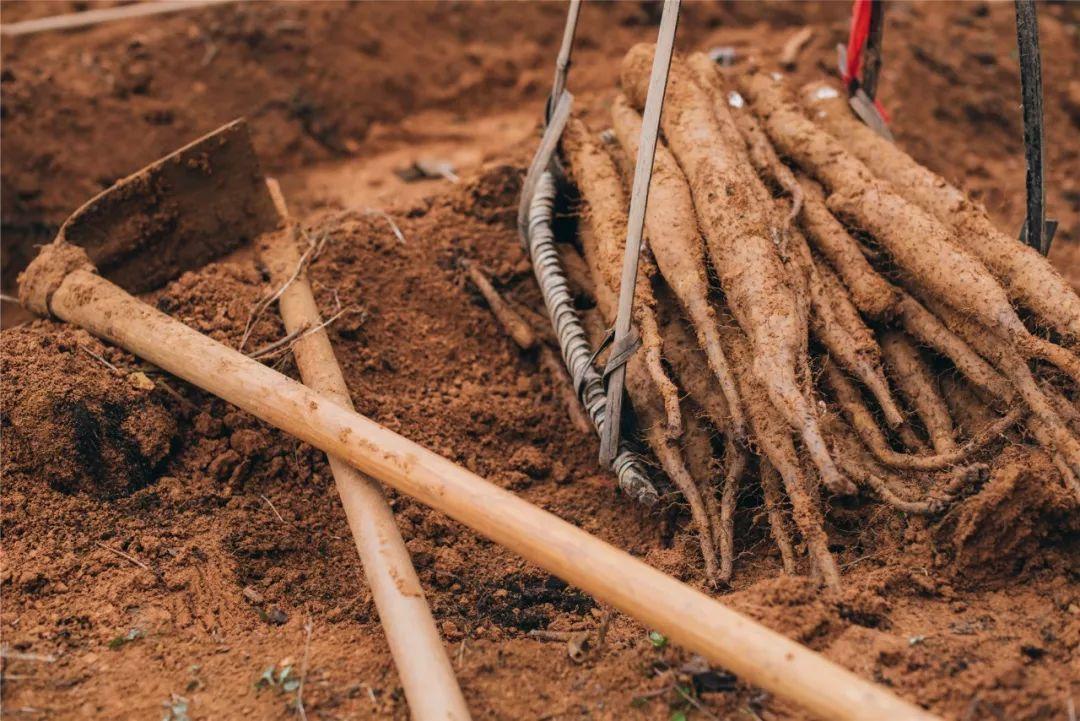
[(47, 271)]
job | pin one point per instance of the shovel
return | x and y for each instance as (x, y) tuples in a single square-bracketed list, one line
[(62, 282), (176, 214), (187, 209)]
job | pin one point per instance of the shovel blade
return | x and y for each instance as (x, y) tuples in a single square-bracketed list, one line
[(177, 213)]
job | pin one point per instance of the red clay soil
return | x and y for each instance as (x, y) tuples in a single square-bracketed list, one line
[(162, 551)]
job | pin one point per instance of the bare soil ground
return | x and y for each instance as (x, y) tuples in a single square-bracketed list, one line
[(162, 550)]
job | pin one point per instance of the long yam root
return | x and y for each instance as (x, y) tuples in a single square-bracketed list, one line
[(770, 485), (576, 271), (972, 414), (872, 294), (601, 189), (1015, 368), (1045, 434), (928, 329), (773, 440), (876, 298), (768, 431), (917, 385), (676, 244), (674, 465), (915, 240), (735, 212), (759, 150), (736, 459), (698, 450), (688, 363), (859, 416), (836, 323), (1029, 278), (866, 361), (887, 485), (649, 408)]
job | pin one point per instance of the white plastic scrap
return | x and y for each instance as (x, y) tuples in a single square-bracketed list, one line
[(825, 92)]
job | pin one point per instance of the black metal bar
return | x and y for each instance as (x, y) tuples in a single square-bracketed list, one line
[(872, 51), (1027, 40)]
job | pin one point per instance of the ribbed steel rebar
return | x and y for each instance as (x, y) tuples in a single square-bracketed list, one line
[(573, 342)]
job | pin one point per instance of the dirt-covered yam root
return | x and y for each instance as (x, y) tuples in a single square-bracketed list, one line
[(601, 188), (737, 226), (836, 323), (697, 448), (873, 295), (915, 240), (758, 148), (856, 462), (1029, 278), (648, 405), (773, 496), (676, 245), (649, 411), (1015, 368), (850, 402), (689, 365), (918, 386), (773, 441)]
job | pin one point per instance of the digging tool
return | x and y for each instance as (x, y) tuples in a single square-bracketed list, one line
[(195, 204), (423, 666), (177, 213), (1038, 231), (624, 340), (860, 64), (535, 215), (62, 282)]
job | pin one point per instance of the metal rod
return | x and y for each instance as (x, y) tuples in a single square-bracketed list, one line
[(562, 62), (573, 341), (639, 198), (872, 53), (1027, 40)]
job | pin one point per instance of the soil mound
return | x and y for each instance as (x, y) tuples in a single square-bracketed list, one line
[(73, 419), (999, 530)]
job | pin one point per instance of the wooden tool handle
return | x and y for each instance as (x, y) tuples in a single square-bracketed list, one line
[(425, 671), (688, 617)]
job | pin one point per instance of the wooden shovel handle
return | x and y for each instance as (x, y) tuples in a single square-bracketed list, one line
[(688, 617), (423, 666)]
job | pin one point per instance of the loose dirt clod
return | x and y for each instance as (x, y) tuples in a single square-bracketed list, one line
[(82, 424)]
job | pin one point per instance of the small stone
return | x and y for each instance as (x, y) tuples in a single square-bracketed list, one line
[(252, 595), (450, 630), (141, 381), (277, 616)]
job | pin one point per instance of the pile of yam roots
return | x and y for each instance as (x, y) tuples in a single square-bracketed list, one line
[(818, 310)]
